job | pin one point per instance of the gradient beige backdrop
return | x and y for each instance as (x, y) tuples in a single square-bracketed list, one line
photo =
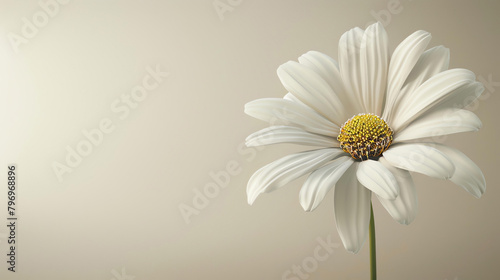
[(115, 214)]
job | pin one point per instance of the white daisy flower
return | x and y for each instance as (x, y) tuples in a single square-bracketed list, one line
[(373, 118)]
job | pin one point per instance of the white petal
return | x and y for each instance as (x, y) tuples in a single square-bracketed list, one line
[(319, 183), (420, 158), (404, 208), (284, 170), (288, 134), (324, 66), (310, 88), (364, 61), (374, 60), (352, 210), (430, 63), (328, 69), (291, 97), (449, 108), (438, 88), (349, 63), (279, 111), (467, 174), (374, 176), (403, 60), (463, 96), (441, 122)]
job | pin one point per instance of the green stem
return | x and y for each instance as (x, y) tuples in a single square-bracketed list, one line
[(373, 253)]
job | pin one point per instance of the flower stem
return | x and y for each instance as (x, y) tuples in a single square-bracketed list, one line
[(373, 253)]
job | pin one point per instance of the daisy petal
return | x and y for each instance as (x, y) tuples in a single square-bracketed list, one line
[(310, 88), (324, 66), (467, 174), (291, 97), (404, 208), (438, 88), (328, 69), (288, 134), (448, 111), (403, 60), (430, 63), (374, 60), (464, 96), (281, 111), (352, 210), (349, 48), (319, 183), (420, 158), (441, 122), (374, 176), (284, 170)]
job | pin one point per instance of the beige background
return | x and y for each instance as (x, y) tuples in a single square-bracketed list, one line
[(116, 215)]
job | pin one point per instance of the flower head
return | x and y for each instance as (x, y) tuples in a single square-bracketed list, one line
[(365, 136), (373, 118)]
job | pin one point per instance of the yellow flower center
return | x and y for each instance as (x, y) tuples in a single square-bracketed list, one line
[(365, 136)]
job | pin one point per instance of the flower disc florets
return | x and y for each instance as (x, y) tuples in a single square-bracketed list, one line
[(365, 136)]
